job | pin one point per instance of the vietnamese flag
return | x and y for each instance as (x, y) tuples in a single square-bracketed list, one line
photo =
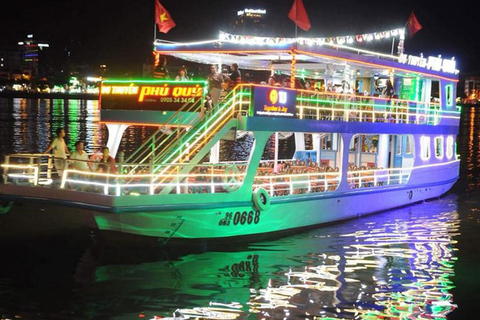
[(162, 18), (413, 25), (298, 14)]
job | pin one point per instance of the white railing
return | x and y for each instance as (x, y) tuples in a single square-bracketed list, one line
[(378, 177), (348, 107), (288, 184)]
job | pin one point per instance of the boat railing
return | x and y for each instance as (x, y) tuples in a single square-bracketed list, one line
[(282, 184), (38, 170), (158, 139), (180, 179), (233, 104), (184, 148), (28, 168), (375, 177), (349, 107)]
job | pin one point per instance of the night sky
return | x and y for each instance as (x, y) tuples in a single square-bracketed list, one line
[(120, 33)]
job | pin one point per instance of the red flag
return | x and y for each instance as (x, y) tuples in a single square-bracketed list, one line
[(298, 14), (413, 25), (162, 18)]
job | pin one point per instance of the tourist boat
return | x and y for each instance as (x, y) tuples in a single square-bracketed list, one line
[(299, 157)]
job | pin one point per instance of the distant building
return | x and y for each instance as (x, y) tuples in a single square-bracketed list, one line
[(33, 52), (250, 22), (10, 62), (472, 88)]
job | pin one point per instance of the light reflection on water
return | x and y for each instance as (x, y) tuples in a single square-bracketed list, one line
[(395, 265)]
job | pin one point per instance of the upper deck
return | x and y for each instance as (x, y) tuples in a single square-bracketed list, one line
[(347, 84), (181, 104)]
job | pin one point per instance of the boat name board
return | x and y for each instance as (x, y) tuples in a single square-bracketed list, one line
[(430, 63), (160, 96), (274, 102)]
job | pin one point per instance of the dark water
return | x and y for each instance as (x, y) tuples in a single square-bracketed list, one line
[(418, 262)]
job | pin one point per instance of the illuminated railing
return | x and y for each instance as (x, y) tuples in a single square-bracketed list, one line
[(181, 178), (158, 140), (344, 107), (288, 184), (37, 169), (34, 169), (208, 178), (184, 147), (236, 102), (377, 177)]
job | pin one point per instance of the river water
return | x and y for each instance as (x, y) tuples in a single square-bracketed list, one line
[(417, 262)]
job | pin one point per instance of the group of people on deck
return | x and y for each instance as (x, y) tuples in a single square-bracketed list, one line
[(78, 159), (218, 82)]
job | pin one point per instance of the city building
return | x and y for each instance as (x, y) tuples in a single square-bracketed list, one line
[(10, 62), (250, 22), (472, 88), (33, 52)]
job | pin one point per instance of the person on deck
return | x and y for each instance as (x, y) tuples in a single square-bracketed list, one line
[(215, 80), (235, 76), (107, 163), (182, 75), (161, 71), (60, 151), (79, 158)]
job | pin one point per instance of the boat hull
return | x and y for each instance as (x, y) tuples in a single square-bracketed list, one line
[(285, 215)]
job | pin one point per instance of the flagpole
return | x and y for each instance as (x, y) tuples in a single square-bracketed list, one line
[(154, 32), (296, 25)]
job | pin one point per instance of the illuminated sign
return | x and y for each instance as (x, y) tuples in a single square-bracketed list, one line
[(430, 63), (149, 95), (274, 102), (251, 12)]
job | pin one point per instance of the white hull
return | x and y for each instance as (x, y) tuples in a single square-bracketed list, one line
[(296, 212)]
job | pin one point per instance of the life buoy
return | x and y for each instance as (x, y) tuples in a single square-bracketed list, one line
[(230, 181), (261, 199), (5, 206)]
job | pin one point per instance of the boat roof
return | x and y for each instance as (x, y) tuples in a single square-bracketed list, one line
[(313, 59)]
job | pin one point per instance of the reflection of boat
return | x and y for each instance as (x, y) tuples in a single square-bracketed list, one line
[(354, 154), (336, 272)]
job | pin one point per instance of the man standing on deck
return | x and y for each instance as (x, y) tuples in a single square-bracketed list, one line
[(80, 156), (161, 72), (215, 81), (235, 77), (60, 151)]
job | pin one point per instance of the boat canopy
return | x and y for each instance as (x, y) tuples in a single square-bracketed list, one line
[(314, 60)]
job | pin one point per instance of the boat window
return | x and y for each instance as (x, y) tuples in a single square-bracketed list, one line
[(399, 145), (328, 142), (354, 143), (435, 92), (449, 147), (439, 147), (449, 95), (408, 144), (425, 148)]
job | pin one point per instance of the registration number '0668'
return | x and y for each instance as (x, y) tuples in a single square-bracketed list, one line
[(240, 218)]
